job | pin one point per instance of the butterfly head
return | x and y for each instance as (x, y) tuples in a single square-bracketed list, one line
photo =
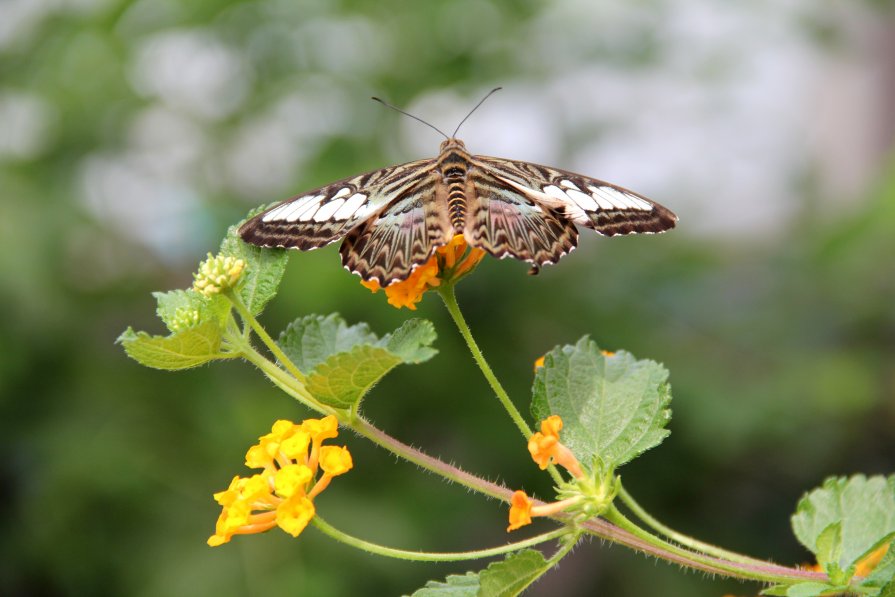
[(452, 143)]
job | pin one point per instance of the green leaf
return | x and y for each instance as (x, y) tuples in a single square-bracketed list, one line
[(506, 578), (310, 340), (845, 519), (343, 362), (264, 268), (189, 348), (174, 304), (456, 586), (513, 575), (343, 379), (804, 589), (613, 406), (411, 341)]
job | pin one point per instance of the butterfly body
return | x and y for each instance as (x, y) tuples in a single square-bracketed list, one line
[(393, 219)]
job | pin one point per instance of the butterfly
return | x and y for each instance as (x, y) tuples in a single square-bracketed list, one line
[(392, 220)]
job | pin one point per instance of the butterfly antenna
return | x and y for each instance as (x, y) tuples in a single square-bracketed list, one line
[(388, 105), (482, 101)]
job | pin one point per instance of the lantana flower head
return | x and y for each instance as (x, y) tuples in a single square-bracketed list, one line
[(282, 494), (217, 273), (449, 263)]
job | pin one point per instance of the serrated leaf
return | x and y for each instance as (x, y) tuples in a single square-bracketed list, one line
[(456, 586), (803, 589), (411, 341), (172, 304), (862, 508), (263, 272), (343, 379), (513, 575), (613, 406), (343, 362), (310, 340), (183, 350)]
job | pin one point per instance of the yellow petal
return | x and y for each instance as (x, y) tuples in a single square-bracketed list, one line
[(294, 514), (292, 479), (334, 460)]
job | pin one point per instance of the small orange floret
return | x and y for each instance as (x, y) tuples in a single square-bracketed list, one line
[(520, 510), (539, 362), (544, 445)]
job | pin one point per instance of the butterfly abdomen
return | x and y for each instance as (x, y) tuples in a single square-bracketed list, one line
[(454, 169)]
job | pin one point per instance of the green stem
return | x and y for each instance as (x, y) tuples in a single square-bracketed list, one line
[(428, 556), (569, 543), (280, 378), (446, 291), (684, 540), (247, 317)]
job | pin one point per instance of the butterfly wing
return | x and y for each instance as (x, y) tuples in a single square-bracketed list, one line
[(504, 221), (404, 234), (322, 216), (606, 208)]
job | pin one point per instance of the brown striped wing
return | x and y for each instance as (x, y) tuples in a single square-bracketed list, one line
[(603, 207), (322, 216), (507, 223), (403, 235)]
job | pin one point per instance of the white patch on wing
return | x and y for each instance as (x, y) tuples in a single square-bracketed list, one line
[(556, 192), (350, 206), (602, 200), (569, 185), (640, 203), (584, 201), (274, 213), (297, 208), (343, 192), (307, 214), (328, 209)]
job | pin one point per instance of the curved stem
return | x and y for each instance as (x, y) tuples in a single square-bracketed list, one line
[(428, 556), (247, 317), (446, 291), (640, 541), (684, 540), (290, 385)]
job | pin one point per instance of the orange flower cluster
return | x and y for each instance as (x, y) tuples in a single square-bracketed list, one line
[(449, 263), (282, 494)]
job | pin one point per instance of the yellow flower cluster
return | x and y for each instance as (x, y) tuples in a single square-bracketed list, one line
[(217, 273), (184, 319), (449, 263), (283, 493)]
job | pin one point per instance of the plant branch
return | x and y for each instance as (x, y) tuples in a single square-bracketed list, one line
[(428, 556)]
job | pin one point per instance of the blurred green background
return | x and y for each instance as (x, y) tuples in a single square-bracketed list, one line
[(133, 133)]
